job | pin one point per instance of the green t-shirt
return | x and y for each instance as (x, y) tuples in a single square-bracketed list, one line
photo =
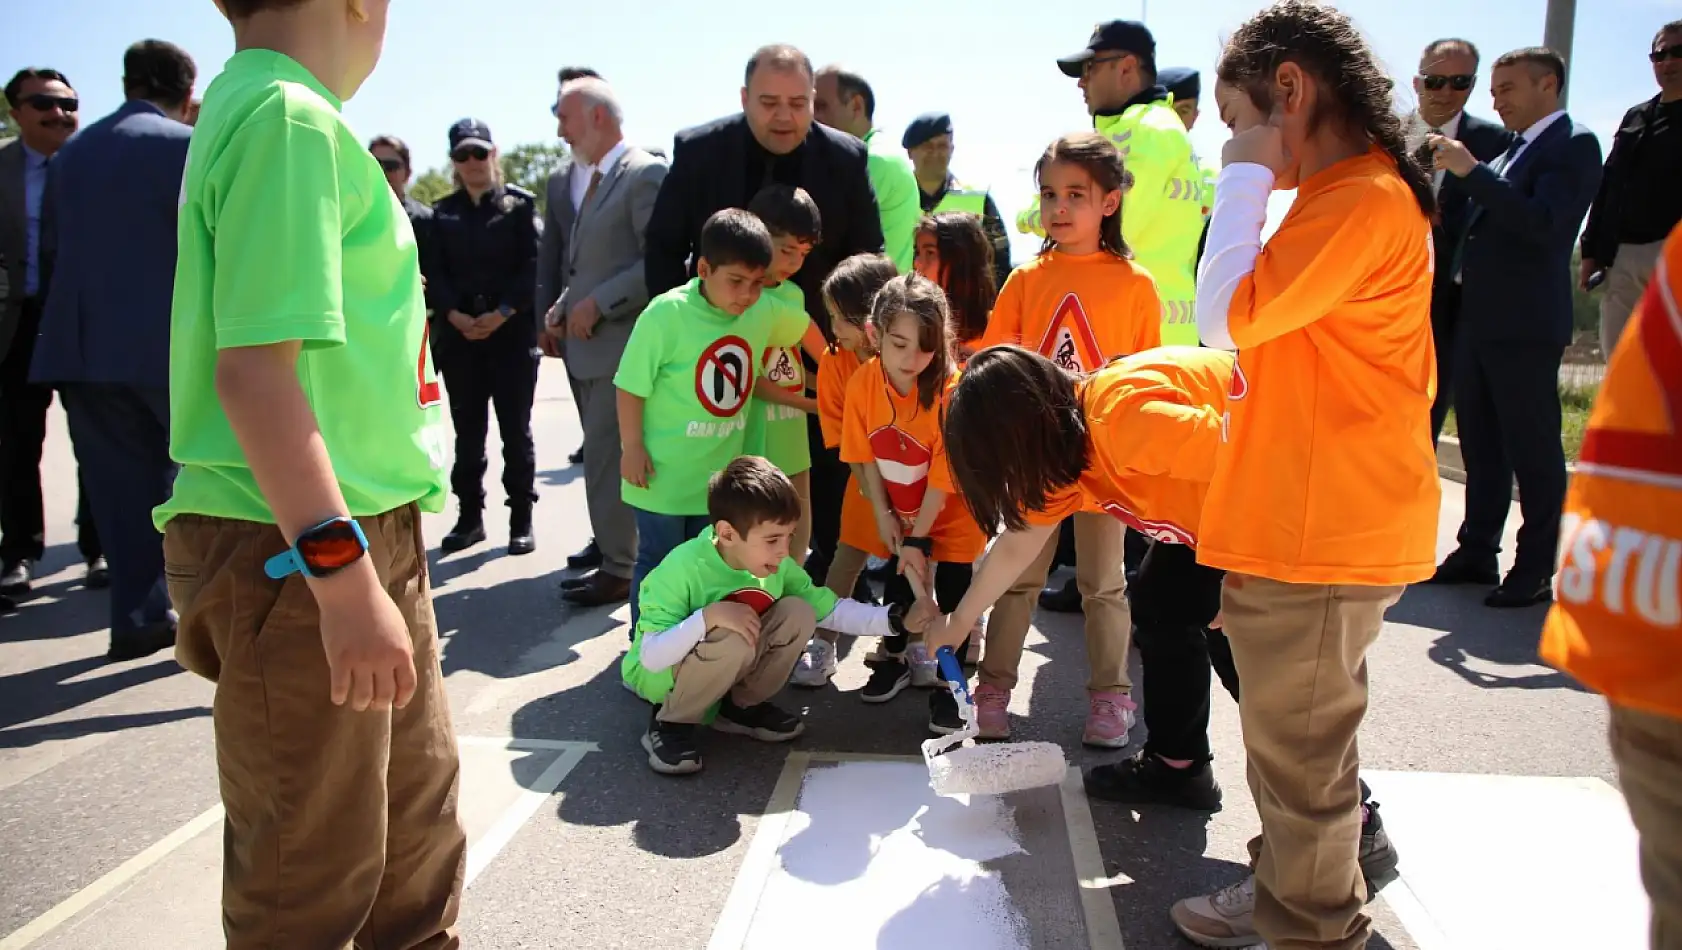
[(779, 432), (288, 231), (694, 577), (898, 200), (694, 365)]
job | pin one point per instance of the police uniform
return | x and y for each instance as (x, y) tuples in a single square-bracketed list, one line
[(955, 196)]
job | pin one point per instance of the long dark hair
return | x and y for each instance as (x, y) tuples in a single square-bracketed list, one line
[(966, 257), (1014, 433), (1100, 159), (922, 300), (849, 292), (1324, 43)]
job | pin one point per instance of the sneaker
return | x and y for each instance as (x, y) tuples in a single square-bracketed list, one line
[(764, 721), (1378, 856), (816, 666), (943, 711), (1108, 719), (888, 677), (1224, 919), (992, 718), (924, 671), (1145, 779), (671, 747)]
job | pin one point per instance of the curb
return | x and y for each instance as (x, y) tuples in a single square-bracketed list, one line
[(1451, 466)]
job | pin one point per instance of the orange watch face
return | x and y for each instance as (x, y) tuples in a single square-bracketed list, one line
[(330, 548)]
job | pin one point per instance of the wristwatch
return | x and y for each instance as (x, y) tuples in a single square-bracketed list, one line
[(506, 311), (896, 620), (325, 549), (925, 545)]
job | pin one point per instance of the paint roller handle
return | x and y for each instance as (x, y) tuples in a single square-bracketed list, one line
[(952, 672)]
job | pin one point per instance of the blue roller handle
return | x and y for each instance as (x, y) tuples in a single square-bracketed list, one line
[(953, 673)]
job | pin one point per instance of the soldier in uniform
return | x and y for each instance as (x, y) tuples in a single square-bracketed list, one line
[(928, 140)]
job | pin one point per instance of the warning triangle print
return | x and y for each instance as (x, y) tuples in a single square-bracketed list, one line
[(1069, 341), (1648, 439), (783, 368), (904, 465)]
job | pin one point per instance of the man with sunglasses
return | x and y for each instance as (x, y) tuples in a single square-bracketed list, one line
[(393, 155), (1640, 197), (1448, 72), (45, 109)]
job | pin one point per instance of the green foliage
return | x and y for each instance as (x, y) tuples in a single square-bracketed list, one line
[(429, 186), (530, 166), (8, 128)]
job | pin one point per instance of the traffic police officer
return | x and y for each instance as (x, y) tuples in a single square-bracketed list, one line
[(928, 140), (481, 280)]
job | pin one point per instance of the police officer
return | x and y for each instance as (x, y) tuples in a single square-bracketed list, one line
[(928, 140), (481, 280), (393, 155)]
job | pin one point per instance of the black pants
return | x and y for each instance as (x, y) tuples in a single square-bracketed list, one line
[(951, 583), (23, 432), (121, 434), (1174, 598), (1445, 323), (828, 487), (1507, 402), (498, 372)]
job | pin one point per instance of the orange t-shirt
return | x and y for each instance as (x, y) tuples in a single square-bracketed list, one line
[(1080, 311), (903, 440), (1617, 617), (1327, 474), (1154, 421), (858, 523)]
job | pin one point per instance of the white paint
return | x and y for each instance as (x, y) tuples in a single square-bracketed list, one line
[(482, 852), (1102, 928)]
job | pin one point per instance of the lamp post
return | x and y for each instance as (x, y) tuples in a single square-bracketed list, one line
[(1562, 16)]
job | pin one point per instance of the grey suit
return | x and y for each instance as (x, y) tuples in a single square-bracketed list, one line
[(597, 253)]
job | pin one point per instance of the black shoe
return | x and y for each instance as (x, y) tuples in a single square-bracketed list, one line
[(1516, 592), (469, 530), (521, 540), (1378, 857), (7, 605), (1462, 568), (597, 589), (765, 721), (590, 557), (862, 592), (671, 747), (1062, 600), (99, 575), (143, 642), (943, 711), (16, 575), (1145, 779), (887, 678), (576, 458)]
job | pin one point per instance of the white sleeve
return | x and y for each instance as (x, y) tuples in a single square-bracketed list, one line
[(857, 620), (667, 648), (1233, 244)]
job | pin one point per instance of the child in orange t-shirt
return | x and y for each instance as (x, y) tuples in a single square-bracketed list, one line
[(847, 295), (953, 250), (1081, 303), (891, 436)]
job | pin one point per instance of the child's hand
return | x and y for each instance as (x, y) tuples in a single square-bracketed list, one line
[(939, 632), (914, 564), (887, 528), (1218, 622), (736, 618), (1262, 144), (923, 612), (635, 466)]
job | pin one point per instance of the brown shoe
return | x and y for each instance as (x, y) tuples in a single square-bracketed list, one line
[(598, 589)]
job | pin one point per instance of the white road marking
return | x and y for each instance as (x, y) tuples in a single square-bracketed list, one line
[(483, 851), (1103, 930), (734, 922)]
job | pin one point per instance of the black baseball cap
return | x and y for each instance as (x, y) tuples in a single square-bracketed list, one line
[(470, 132), (1183, 81), (1116, 36), (926, 127)]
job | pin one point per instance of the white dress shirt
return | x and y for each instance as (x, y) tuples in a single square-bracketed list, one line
[(1533, 133)]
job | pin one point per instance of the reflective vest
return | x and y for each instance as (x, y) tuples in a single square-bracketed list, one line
[(1162, 216), (1616, 624), (960, 197)]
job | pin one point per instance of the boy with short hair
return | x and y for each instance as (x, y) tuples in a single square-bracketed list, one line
[(305, 418), (685, 380), (726, 615)]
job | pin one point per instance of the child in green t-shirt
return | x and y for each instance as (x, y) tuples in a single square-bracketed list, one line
[(726, 615)]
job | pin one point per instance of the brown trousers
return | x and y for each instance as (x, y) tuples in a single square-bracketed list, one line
[(1103, 590), (725, 662), (1301, 652), (1648, 750), (341, 826)]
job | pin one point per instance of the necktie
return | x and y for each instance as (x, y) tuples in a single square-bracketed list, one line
[(595, 180), (1511, 153)]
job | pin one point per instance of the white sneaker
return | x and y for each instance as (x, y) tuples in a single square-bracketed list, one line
[(816, 665), (924, 671), (1224, 920)]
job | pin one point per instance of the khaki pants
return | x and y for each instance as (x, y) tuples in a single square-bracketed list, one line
[(1648, 750), (1103, 589), (1301, 653), (726, 663), (843, 576), (341, 825), (1626, 281)]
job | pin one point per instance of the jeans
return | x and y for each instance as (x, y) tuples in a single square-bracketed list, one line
[(657, 536)]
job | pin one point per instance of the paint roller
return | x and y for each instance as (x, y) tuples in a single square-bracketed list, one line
[(992, 769)]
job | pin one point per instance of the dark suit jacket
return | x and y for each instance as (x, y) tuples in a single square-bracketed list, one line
[(1515, 254), (1486, 141), (708, 174), (13, 239), (108, 250)]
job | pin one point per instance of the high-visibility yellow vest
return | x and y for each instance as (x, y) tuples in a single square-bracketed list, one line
[(961, 198)]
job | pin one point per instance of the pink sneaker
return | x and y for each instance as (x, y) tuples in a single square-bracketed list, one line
[(1108, 720), (990, 715)]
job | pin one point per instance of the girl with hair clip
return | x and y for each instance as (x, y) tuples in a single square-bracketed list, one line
[(953, 250), (890, 434), (1327, 433), (1081, 303)]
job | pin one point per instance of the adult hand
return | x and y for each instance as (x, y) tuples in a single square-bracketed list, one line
[(1262, 144), (581, 322), (463, 323), (548, 344), (739, 619), (370, 657), (1588, 269), (887, 528), (489, 322), (634, 464), (1451, 156)]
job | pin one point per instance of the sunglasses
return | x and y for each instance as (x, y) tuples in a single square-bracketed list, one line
[(472, 152), (1459, 83), (45, 103), (391, 164), (1665, 52)]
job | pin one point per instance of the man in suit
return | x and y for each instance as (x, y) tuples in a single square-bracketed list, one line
[(109, 250), (45, 109), (1448, 72), (1514, 265), (591, 276)]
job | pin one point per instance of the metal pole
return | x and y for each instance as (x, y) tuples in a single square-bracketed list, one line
[(1562, 16)]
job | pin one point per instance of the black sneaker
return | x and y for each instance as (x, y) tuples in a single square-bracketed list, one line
[(1378, 856), (1062, 600), (671, 747), (765, 721), (943, 711), (887, 678), (469, 530), (1145, 779)]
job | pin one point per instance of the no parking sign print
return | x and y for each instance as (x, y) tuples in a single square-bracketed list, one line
[(724, 376)]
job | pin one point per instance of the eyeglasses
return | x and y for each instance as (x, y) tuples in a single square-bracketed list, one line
[(390, 164), (1090, 66), (1459, 83), (472, 152), (1665, 52), (45, 103)]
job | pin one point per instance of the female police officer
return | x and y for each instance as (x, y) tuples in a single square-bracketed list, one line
[(481, 278)]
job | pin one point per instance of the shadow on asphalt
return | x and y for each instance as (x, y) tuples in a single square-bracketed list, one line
[(48, 691), (62, 609), (1473, 633)]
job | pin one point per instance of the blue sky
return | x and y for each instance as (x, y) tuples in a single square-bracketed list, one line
[(987, 62)]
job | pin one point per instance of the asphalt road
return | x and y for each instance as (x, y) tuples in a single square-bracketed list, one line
[(100, 764)]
